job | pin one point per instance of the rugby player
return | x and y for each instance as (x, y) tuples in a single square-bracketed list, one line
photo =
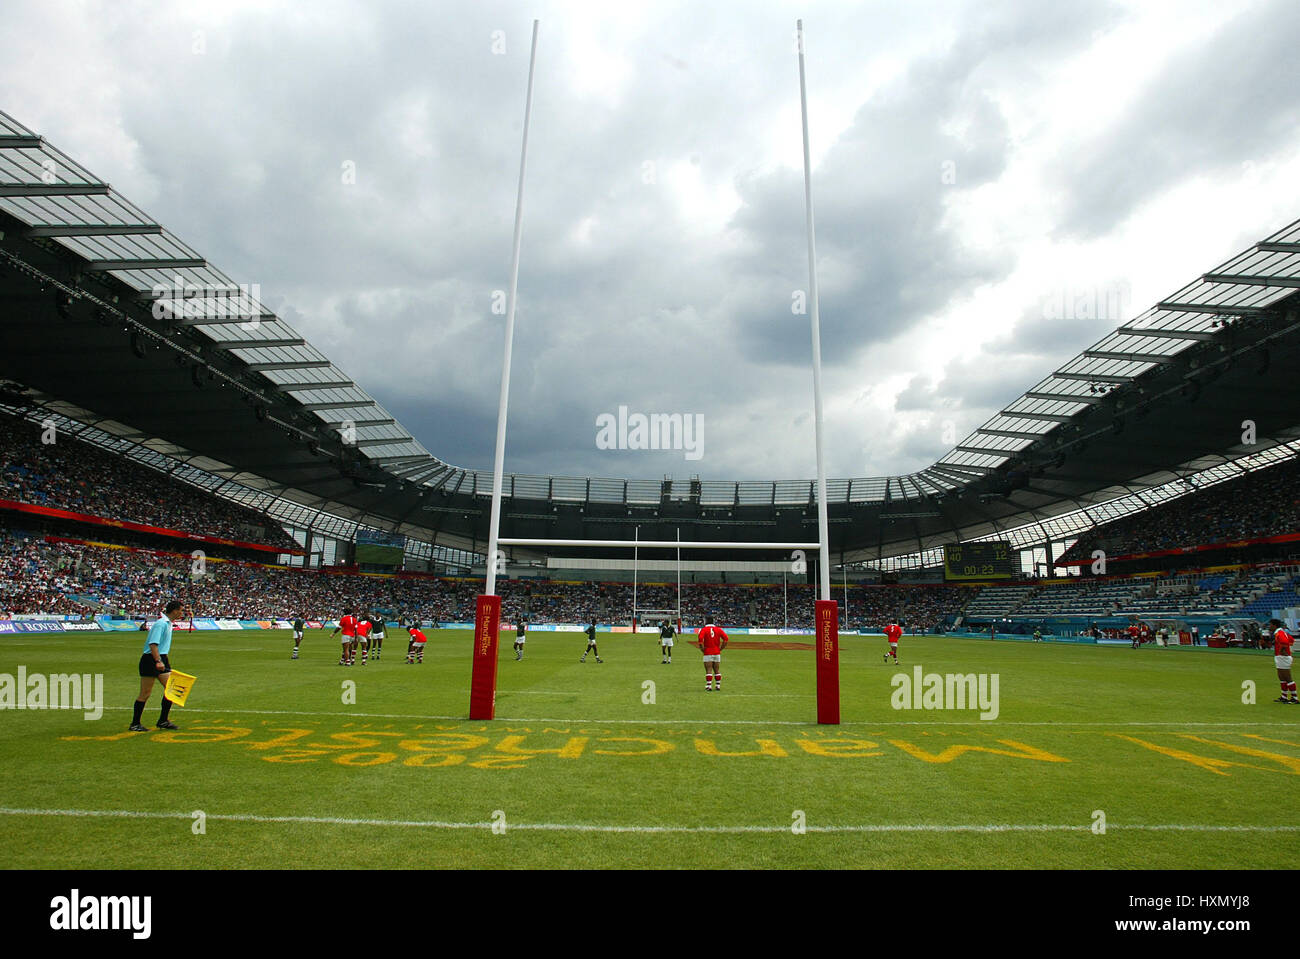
[(364, 627), (591, 644), (893, 633), (666, 642), (1282, 641), (348, 627), (712, 641), (415, 650)]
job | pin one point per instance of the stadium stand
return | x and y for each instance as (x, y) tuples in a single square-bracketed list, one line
[(1281, 594), (35, 578), (1237, 591), (1228, 512), (1255, 593), (997, 601), (59, 576), (74, 476), (61, 566)]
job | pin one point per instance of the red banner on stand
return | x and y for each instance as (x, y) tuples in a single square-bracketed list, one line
[(50, 511), (1184, 550), (828, 662), (483, 683)]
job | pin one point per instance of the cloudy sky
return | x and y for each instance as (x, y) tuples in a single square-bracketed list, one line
[(984, 172)]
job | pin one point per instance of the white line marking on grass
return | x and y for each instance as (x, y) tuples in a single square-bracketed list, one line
[(974, 724), (537, 692), (601, 828)]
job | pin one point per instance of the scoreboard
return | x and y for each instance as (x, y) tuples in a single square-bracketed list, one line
[(987, 560), (379, 548)]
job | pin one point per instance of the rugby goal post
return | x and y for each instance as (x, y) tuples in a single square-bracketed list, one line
[(654, 617), (487, 617)]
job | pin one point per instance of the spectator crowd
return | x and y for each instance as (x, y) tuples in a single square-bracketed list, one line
[(59, 577), (72, 475), (1259, 504)]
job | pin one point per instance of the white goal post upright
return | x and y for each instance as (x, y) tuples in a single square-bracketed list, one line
[(846, 598), (824, 549), (499, 458), (487, 616), (679, 577), (827, 617)]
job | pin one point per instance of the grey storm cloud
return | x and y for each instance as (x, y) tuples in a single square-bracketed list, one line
[(926, 442), (1230, 100), (919, 394), (1046, 332), (976, 385), (886, 261)]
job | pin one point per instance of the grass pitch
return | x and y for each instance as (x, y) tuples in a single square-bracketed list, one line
[(589, 766)]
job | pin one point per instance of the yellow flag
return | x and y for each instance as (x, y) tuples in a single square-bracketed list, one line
[(179, 686)]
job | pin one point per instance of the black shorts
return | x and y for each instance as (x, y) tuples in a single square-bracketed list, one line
[(149, 670)]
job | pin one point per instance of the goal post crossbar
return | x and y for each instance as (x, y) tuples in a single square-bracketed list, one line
[(642, 615), (653, 544)]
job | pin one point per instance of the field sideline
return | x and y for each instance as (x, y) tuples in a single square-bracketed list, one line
[(588, 766)]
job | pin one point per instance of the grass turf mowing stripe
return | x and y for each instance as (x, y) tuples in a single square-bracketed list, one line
[(596, 827), (696, 722)]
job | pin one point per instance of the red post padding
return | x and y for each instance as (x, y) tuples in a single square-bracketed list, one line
[(827, 619), (483, 684)]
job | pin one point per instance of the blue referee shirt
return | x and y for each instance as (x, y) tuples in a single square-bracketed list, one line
[(161, 633)]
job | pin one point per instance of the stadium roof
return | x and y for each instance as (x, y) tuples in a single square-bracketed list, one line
[(1203, 311), (112, 319), (54, 197)]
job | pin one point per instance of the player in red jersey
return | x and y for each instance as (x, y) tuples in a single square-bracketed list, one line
[(712, 641), (415, 651), (1282, 641), (348, 627), (893, 632), (364, 627)]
